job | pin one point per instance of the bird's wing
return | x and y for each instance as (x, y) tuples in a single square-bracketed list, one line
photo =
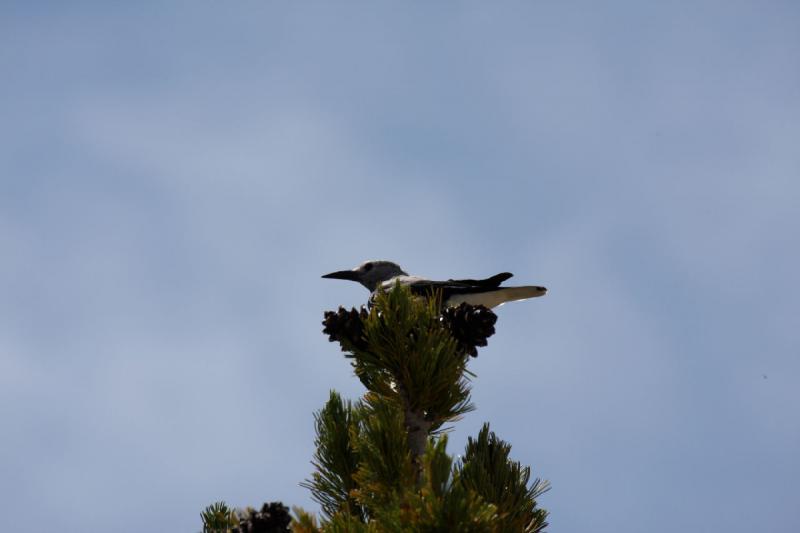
[(492, 282), (453, 287)]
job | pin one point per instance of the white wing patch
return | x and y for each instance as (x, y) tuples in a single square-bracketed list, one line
[(497, 297)]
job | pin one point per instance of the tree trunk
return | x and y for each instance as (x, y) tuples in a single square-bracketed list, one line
[(417, 428)]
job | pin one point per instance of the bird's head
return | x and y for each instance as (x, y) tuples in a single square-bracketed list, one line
[(369, 273)]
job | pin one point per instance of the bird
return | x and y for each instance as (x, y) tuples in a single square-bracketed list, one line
[(382, 275)]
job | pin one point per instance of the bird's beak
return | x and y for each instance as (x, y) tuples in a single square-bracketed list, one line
[(352, 275)]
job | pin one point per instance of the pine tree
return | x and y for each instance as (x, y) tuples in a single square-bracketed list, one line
[(381, 463)]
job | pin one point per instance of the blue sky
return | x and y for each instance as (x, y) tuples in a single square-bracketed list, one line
[(174, 180)]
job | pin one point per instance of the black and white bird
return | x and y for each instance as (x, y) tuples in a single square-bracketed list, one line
[(375, 275)]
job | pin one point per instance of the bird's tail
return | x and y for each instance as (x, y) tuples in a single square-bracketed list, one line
[(500, 296)]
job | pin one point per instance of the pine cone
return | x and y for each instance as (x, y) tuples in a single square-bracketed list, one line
[(346, 327), (273, 518), (470, 326)]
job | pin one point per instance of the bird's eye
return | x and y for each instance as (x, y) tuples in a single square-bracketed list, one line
[(367, 267)]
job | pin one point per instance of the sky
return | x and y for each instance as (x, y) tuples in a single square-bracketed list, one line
[(175, 177)]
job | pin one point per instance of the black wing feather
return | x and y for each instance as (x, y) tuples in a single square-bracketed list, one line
[(458, 286), (492, 282)]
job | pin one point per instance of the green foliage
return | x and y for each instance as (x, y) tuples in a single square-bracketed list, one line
[(386, 469), (218, 518), (410, 355), (442, 505), (337, 458), (487, 470), (304, 522), (347, 523), (438, 467)]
